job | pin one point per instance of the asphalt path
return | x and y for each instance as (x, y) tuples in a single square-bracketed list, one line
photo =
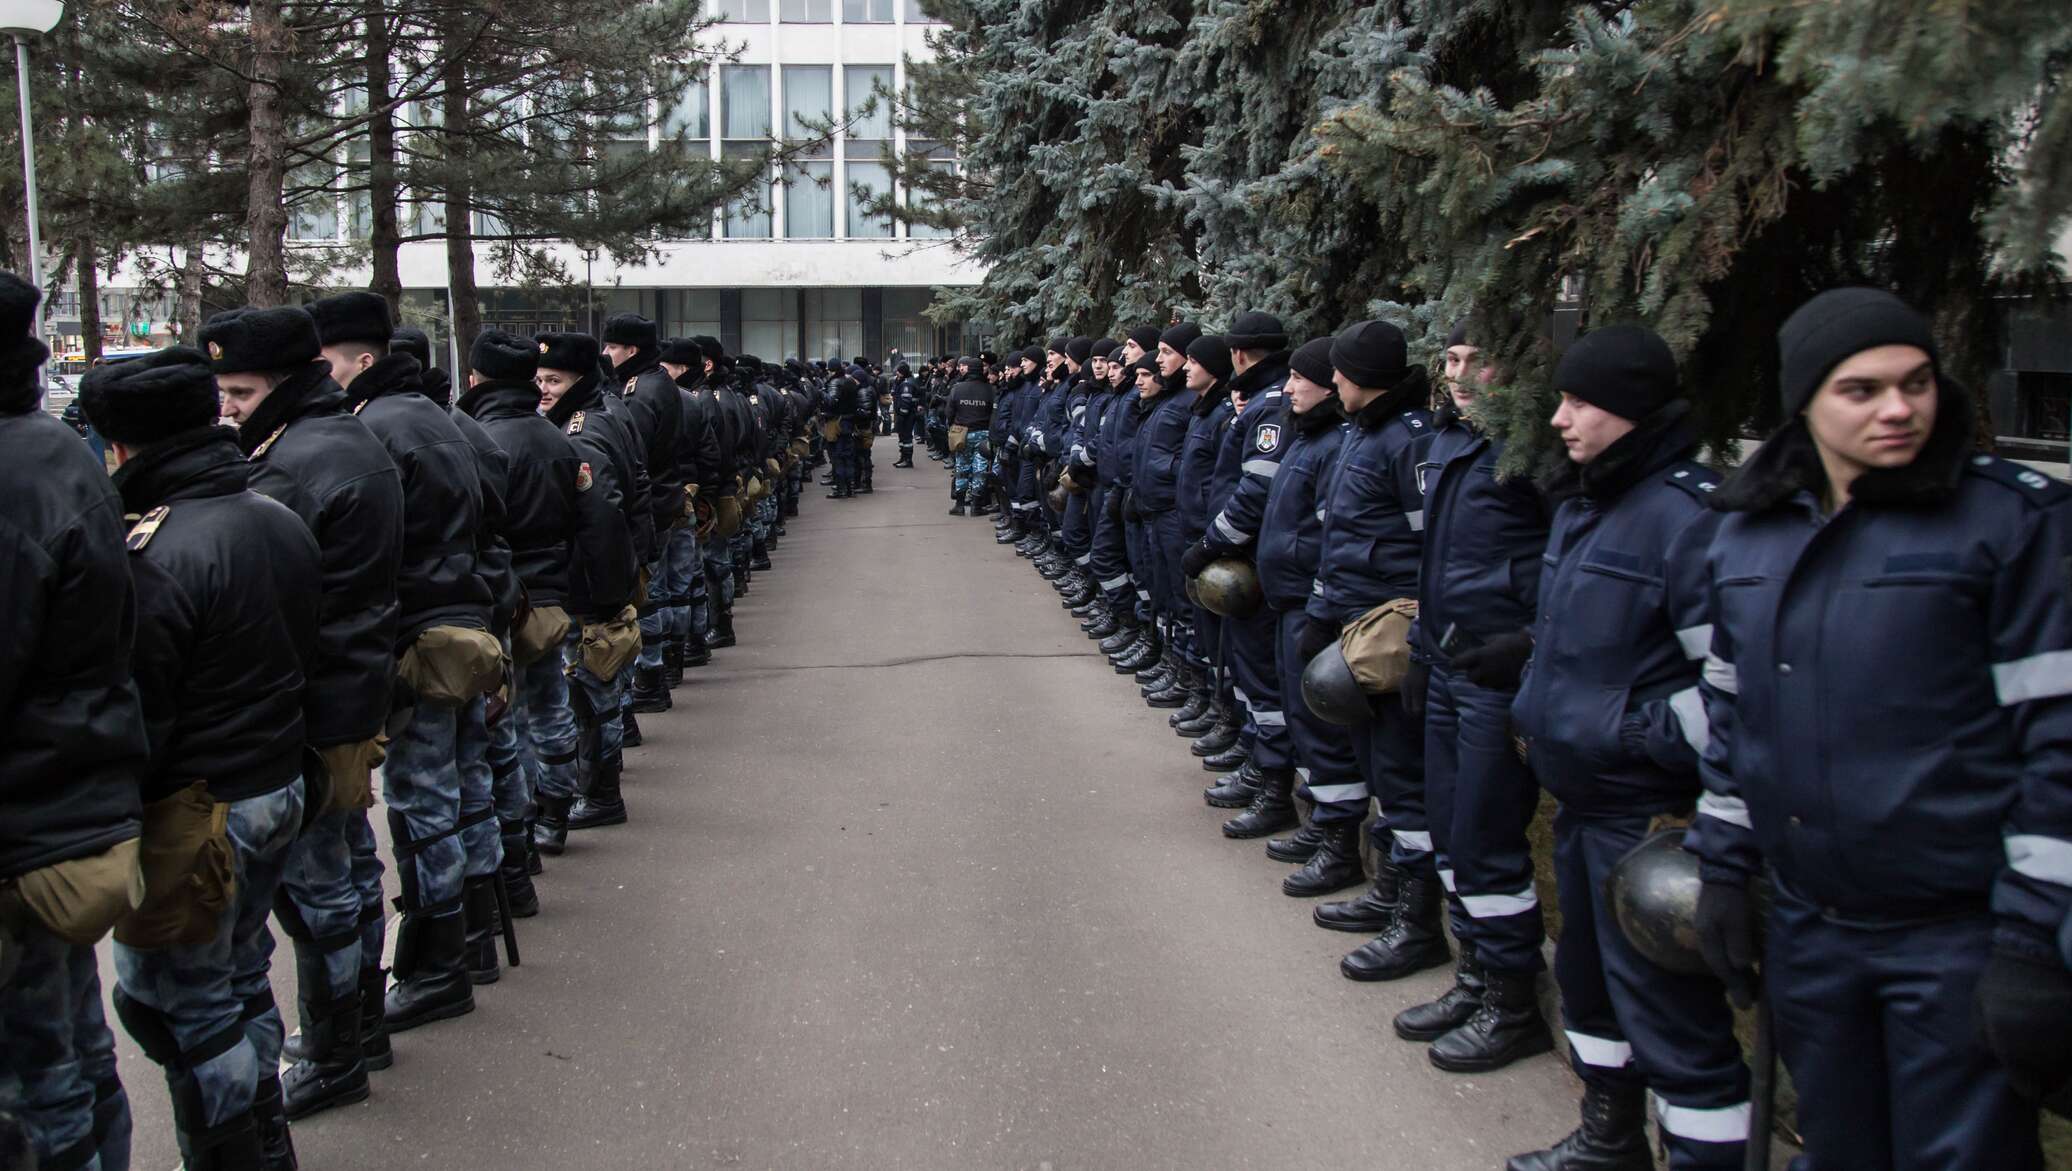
[(913, 879)]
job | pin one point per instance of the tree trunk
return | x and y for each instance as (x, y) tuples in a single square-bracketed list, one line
[(84, 263), (460, 224), (266, 219), (187, 312), (383, 192)]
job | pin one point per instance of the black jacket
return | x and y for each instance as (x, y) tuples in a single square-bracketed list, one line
[(492, 540), (72, 740), (613, 517), (442, 498), (702, 441), (228, 590), (741, 425), (308, 453), (655, 406), (971, 405), (725, 429)]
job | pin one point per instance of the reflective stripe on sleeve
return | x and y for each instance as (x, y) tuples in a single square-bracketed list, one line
[(1260, 467), (2043, 858), (1732, 810), (1417, 841), (1602, 1052), (1690, 716), (1500, 906), (1446, 879), (1339, 794), (1117, 582), (1229, 532), (1722, 675), (2036, 677), (1696, 640), (1718, 1124), (1416, 520), (1269, 718)]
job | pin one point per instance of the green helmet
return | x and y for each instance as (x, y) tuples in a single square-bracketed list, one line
[(1229, 587)]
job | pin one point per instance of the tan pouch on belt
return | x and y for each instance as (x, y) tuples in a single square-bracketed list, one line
[(450, 665), (189, 875), (1377, 646), (609, 646), (79, 899), (545, 628)]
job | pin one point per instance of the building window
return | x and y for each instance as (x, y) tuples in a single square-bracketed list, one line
[(744, 11), (866, 11), (914, 15), (935, 157), (805, 11), (808, 101), (809, 196), (313, 212), (868, 182), (744, 113), (748, 217), (769, 323), (906, 329), (861, 90), (689, 116), (693, 313), (834, 323), (809, 201)]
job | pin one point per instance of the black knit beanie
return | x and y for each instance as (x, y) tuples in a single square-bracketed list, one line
[(1458, 335), (1312, 360), (1146, 337), (1625, 369), (1058, 345), (140, 401), (352, 317), (1180, 336), (1212, 353), (242, 340), (505, 357), (1079, 349), (573, 353), (1837, 325), (1106, 347), (1254, 330), (1034, 354), (1373, 354)]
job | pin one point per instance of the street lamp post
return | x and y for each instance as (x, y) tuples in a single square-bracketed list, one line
[(23, 19)]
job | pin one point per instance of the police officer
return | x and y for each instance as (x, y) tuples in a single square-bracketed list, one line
[(906, 411), (70, 762), (228, 596), (1095, 394), (737, 437), (1114, 451), (668, 616), (1887, 693), (971, 410), (844, 401), (597, 425), (1207, 373), (1478, 589), (1155, 489), (313, 455), (1247, 463), (1611, 709)]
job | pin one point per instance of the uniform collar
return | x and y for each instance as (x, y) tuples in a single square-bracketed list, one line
[(201, 462), (307, 392), (1788, 463)]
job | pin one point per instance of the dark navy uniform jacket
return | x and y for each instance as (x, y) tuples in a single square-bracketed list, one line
[(1291, 525), (1890, 688), (1371, 508), (1208, 421), (1160, 438), (1251, 455), (1610, 699), (1483, 540), (1115, 452)]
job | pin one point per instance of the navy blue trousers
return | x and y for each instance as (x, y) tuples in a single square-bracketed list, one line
[(1481, 799), (1324, 760)]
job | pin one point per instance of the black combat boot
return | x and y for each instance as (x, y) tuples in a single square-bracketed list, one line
[(1144, 653), (1199, 724), (233, 1144), (1507, 1028), (431, 979), (1334, 867), (957, 508), (760, 554), (906, 458), (1413, 940), (650, 691), (982, 507), (1228, 760), (1236, 790), (1368, 913), (374, 1038), (332, 1067), (481, 922), (601, 804), (1199, 697), (550, 829), (672, 664), (1103, 624), (1221, 735), (1157, 674), (722, 633), (514, 869), (270, 1121), (1126, 632), (1178, 688), (1613, 1136), (1272, 809), (1080, 592), (1297, 847), (629, 729), (692, 652)]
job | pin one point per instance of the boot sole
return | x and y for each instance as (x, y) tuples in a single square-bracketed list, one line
[(1213, 766), (1263, 832), (649, 707), (1350, 927), (1314, 892), (1370, 976), (551, 851), (1293, 858), (1224, 802), (446, 1013), (1541, 1044), (387, 1059), (600, 823), (489, 977), (348, 1097)]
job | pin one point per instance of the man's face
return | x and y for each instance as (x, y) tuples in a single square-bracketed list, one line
[(1586, 429), (1131, 351), (1875, 410), (241, 394), (1304, 394), (1353, 395), (1169, 360), (1198, 376), (1100, 366), (1053, 360), (553, 384), (708, 365), (1466, 374), (617, 353), (347, 362), (1118, 374), (1147, 383), (1029, 368)]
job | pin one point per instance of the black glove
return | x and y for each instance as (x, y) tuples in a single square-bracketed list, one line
[(1726, 937), (1315, 636), (1130, 512), (2025, 1021), (1497, 664), (1412, 692), (1197, 558), (1113, 505)]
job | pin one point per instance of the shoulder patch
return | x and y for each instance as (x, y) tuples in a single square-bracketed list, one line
[(2026, 482), (1696, 479), (583, 477), (1268, 437), (1416, 423), (140, 534), (575, 423)]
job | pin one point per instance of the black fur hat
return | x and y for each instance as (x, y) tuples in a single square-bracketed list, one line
[(505, 357), (631, 329), (353, 317), (143, 400), (711, 347), (241, 340), (574, 352), (408, 339), (20, 353), (684, 351)]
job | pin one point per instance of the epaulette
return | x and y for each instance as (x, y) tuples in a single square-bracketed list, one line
[(1698, 480), (146, 526), (2028, 483), (575, 423), (1411, 418)]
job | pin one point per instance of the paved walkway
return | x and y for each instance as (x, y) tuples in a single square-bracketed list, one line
[(914, 880)]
